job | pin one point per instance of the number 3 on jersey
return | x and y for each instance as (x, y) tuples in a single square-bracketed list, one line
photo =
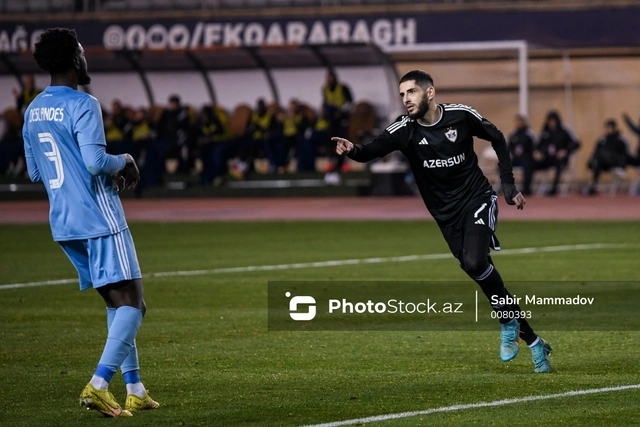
[(53, 156)]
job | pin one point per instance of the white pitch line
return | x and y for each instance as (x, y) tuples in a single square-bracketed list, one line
[(338, 263), (454, 408)]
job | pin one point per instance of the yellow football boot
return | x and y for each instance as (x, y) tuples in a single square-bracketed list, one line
[(135, 403), (102, 401)]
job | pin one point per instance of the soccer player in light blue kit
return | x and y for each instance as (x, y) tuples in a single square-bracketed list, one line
[(65, 149)]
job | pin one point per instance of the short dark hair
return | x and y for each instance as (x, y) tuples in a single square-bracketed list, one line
[(56, 50), (421, 78)]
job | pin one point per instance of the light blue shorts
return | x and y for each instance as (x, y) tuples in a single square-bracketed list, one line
[(103, 260)]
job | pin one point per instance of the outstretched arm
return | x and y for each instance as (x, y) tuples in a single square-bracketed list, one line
[(379, 147)]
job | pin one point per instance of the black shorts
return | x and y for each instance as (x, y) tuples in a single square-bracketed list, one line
[(479, 216)]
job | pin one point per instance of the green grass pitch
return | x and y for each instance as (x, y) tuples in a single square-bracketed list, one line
[(207, 357)]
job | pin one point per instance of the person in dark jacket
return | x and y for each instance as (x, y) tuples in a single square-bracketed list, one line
[(176, 128), (610, 154), (555, 146), (521, 142), (26, 93)]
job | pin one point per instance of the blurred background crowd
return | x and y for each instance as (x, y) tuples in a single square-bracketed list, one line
[(217, 145), (561, 93), (214, 143)]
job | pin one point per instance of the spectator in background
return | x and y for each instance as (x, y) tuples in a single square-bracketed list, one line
[(174, 128), (139, 134), (291, 125), (296, 124), (127, 131), (155, 148), (610, 154), (337, 101), (320, 137), (213, 138), (119, 115), (555, 146), (26, 94), (12, 160), (112, 132), (139, 129), (118, 131), (277, 146), (264, 129), (521, 142)]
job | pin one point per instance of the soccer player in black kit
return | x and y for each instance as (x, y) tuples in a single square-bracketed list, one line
[(437, 139)]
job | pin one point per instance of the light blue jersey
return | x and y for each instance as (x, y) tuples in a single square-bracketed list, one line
[(63, 130)]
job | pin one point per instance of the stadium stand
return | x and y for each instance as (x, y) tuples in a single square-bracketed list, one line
[(458, 72)]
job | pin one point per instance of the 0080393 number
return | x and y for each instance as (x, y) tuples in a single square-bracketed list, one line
[(511, 314)]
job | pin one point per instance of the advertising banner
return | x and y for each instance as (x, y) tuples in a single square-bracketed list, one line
[(559, 29)]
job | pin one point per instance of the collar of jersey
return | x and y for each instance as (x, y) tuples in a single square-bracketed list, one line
[(437, 121), (57, 88)]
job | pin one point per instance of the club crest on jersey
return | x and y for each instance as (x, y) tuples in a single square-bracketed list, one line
[(451, 134)]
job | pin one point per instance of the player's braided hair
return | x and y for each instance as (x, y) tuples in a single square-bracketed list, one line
[(56, 49)]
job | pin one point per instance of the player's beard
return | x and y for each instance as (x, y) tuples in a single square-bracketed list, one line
[(423, 107), (83, 77)]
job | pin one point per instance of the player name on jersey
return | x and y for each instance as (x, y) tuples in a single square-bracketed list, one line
[(46, 114), (444, 163)]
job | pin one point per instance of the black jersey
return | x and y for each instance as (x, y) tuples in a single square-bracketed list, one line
[(442, 158)]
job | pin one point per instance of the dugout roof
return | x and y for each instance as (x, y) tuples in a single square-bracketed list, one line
[(203, 60)]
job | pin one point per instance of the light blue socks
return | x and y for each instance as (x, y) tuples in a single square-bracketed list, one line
[(131, 362), (120, 350)]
